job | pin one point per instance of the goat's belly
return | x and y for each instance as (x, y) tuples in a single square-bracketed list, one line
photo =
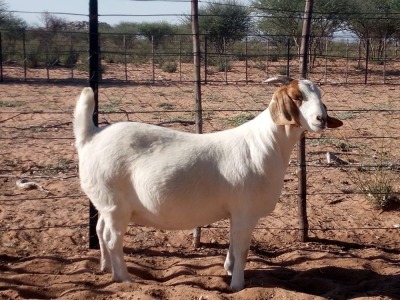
[(183, 216)]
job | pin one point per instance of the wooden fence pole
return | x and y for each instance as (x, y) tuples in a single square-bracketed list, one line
[(301, 148), (197, 88), (366, 61), (24, 54)]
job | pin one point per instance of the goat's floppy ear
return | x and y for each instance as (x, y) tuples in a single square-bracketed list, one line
[(333, 122), (283, 110)]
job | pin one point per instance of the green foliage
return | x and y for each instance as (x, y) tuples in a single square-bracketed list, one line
[(11, 103), (170, 66), (224, 23), (381, 194), (383, 25), (166, 106), (221, 64), (240, 119), (156, 32), (69, 59), (284, 19), (376, 175)]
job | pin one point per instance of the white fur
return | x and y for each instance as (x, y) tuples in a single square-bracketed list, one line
[(153, 176)]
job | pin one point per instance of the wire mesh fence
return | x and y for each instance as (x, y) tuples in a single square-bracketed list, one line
[(350, 171), (46, 55)]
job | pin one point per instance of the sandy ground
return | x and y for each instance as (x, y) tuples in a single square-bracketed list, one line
[(353, 253)]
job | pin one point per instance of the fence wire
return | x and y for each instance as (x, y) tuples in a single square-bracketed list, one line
[(350, 171)]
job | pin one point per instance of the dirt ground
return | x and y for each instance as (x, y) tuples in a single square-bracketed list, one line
[(353, 252)]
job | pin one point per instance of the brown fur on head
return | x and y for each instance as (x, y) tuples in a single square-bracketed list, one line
[(284, 108)]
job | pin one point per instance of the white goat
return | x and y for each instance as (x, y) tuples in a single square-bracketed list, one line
[(154, 176)]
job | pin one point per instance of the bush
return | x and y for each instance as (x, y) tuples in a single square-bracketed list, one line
[(240, 119), (376, 177), (170, 66), (220, 64), (70, 59), (33, 59)]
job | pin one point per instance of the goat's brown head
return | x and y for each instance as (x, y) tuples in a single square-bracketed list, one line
[(298, 103)]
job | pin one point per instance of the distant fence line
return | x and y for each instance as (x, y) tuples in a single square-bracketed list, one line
[(354, 60)]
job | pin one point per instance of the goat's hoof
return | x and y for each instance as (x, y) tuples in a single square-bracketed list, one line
[(105, 269), (229, 271), (119, 279), (228, 268), (237, 286)]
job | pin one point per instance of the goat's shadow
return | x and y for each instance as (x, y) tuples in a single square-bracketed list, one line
[(25, 288), (331, 282), (328, 282)]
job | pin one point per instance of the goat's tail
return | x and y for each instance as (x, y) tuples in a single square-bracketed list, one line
[(84, 127)]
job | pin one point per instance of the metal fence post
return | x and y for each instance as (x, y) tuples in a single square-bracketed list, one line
[(94, 69), (301, 148), (1, 58)]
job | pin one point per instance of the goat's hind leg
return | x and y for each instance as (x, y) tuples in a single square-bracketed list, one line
[(115, 226), (105, 263)]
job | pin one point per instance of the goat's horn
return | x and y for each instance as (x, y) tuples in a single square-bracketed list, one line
[(279, 79)]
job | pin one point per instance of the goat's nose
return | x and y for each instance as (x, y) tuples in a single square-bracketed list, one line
[(321, 120)]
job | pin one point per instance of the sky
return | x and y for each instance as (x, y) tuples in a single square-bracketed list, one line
[(141, 9)]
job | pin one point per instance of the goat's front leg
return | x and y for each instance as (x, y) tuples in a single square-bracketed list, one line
[(230, 258), (241, 231)]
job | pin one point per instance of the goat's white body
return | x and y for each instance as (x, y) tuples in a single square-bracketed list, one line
[(159, 177), (175, 180)]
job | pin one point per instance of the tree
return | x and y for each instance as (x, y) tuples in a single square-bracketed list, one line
[(3, 11), (224, 23), (14, 29), (283, 19), (156, 32), (46, 41), (53, 23), (376, 21), (8, 21), (280, 20)]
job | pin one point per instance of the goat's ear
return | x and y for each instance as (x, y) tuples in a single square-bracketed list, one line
[(333, 122), (279, 79), (283, 110)]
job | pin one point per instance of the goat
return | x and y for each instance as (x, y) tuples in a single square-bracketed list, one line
[(167, 179)]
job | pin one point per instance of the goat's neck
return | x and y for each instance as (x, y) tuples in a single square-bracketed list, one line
[(282, 139), (287, 136)]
